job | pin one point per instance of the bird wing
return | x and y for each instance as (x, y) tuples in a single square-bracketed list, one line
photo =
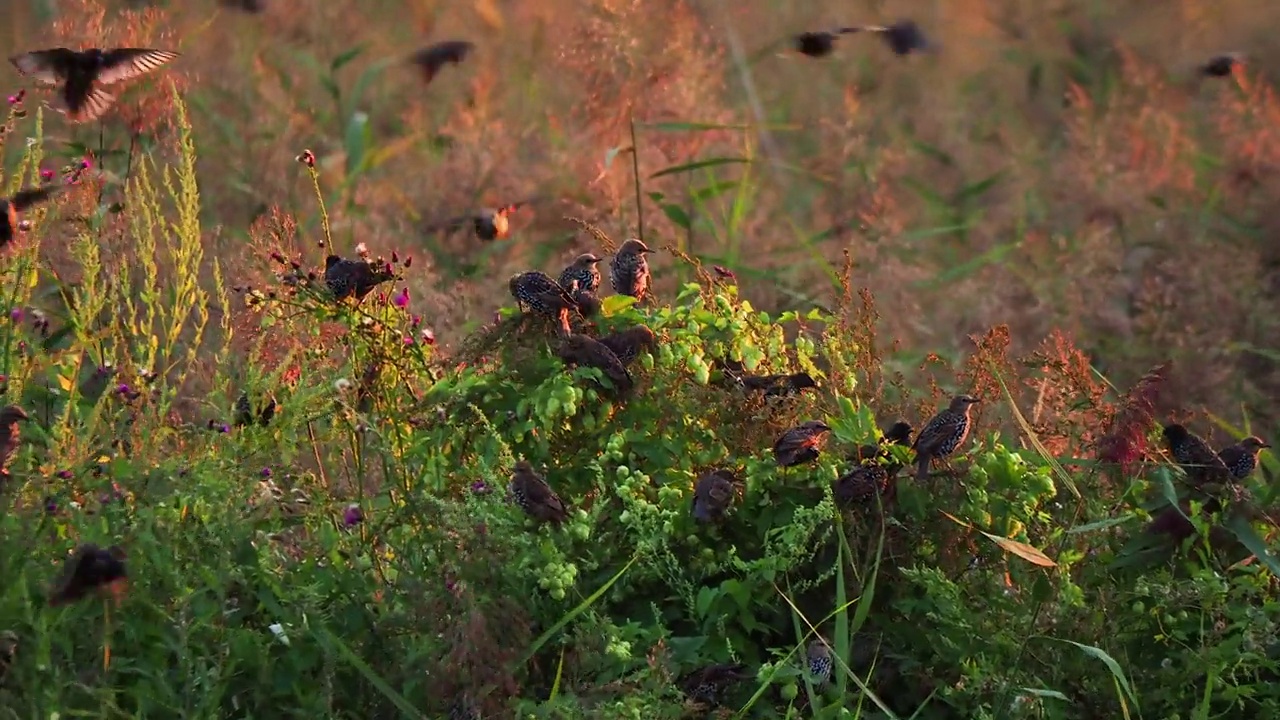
[(24, 199), (45, 66), (126, 63), (94, 105)]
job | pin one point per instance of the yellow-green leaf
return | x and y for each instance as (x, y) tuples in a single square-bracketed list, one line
[(1022, 550)]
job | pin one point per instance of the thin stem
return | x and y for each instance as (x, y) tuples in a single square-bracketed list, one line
[(635, 170), (324, 212)]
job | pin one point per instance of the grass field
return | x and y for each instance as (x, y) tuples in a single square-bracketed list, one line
[(1053, 211)]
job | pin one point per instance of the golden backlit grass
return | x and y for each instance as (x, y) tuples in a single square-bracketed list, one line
[(1055, 165)]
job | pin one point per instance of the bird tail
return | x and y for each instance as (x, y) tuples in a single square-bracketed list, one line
[(922, 467)]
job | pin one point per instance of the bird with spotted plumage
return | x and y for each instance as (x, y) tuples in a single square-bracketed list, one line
[(628, 344), (90, 569), (780, 385), (801, 444), (1241, 458), (353, 278), (582, 270), (944, 432), (629, 270), (875, 472), (10, 437), (819, 662), (580, 350), (533, 495), (22, 200), (81, 75), (1201, 464), (544, 296), (706, 685), (713, 494)]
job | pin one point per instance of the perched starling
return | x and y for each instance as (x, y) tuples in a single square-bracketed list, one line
[(245, 414), (82, 74), (1198, 460), (713, 493), (535, 496), (943, 434), (861, 485), (629, 270), (487, 223), (435, 56), (10, 436), (346, 278), (820, 43), (1223, 65), (588, 303), (21, 201), (819, 662), (800, 444), (1241, 459), (581, 350), (543, 296), (898, 434), (91, 568), (778, 385), (583, 271), (627, 344), (706, 684)]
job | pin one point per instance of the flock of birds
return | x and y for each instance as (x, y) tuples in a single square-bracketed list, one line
[(80, 78)]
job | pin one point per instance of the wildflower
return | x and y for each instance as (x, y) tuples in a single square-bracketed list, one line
[(362, 250), (408, 261), (50, 505), (278, 257), (480, 487), (402, 298), (266, 472), (352, 516), (307, 158), (86, 162), (408, 339), (342, 385), (16, 314), (65, 474), (428, 336), (395, 257), (122, 389), (46, 174), (415, 321), (17, 98)]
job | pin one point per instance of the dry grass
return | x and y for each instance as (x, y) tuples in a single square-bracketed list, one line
[(1130, 206)]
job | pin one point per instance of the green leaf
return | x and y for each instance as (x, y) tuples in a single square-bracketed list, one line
[(1101, 524), (612, 153), (356, 142), (699, 164), (345, 57), (1116, 672), (615, 304), (333, 642), (677, 215), (1244, 532)]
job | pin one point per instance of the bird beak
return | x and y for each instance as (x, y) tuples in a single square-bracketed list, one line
[(1266, 445)]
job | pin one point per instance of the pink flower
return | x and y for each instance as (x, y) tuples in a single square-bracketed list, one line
[(428, 336), (46, 175), (402, 298)]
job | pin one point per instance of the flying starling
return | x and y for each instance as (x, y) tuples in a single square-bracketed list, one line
[(245, 414), (943, 434), (80, 76), (778, 385), (90, 569), (819, 661), (1220, 66), (627, 344), (706, 684), (800, 444), (435, 56), (10, 436), (713, 493), (629, 270), (535, 496), (544, 296), (487, 223), (21, 200), (346, 278), (581, 350), (820, 43), (1241, 459), (1201, 463), (249, 6), (582, 270), (903, 37)]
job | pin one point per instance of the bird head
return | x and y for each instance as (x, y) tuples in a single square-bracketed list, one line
[(12, 414), (633, 246), (332, 260), (817, 426), (514, 282), (961, 403), (1254, 444), (586, 260), (899, 432), (802, 380), (523, 466), (1175, 432), (643, 335)]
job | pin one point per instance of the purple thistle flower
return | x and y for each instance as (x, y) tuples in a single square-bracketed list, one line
[(408, 339), (46, 174), (266, 472), (13, 99), (352, 516), (415, 321), (50, 505), (402, 299), (16, 314), (480, 487), (66, 474), (86, 163), (224, 428)]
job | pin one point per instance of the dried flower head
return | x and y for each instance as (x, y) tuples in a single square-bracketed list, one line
[(307, 158)]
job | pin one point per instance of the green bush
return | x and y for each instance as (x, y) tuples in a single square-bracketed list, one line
[(256, 590)]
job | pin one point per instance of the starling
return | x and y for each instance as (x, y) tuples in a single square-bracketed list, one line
[(898, 434), (628, 343), (535, 497), (245, 414), (819, 662), (1220, 66), (1198, 460), (800, 444), (90, 568), (713, 493), (543, 296), (82, 74), (435, 56), (20, 201), (582, 270), (487, 223), (588, 303), (861, 485), (629, 270), (581, 350), (778, 385), (820, 43), (346, 278), (943, 434), (903, 37), (705, 684), (1241, 459), (249, 6), (10, 436)]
